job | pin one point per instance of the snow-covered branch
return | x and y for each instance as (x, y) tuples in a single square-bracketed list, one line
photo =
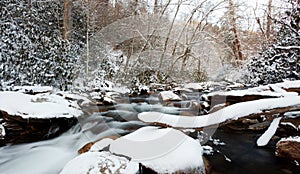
[(287, 47)]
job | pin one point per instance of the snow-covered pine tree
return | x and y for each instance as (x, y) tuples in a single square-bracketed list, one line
[(32, 48), (280, 60)]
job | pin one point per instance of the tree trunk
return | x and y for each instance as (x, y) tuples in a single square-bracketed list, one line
[(136, 2), (66, 20), (236, 43), (155, 9), (268, 32)]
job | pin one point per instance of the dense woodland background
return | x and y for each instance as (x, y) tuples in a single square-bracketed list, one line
[(73, 43)]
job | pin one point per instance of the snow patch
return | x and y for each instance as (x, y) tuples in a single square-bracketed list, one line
[(266, 137), (294, 114), (295, 139), (208, 150), (289, 124)]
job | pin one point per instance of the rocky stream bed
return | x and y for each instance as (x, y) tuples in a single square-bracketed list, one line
[(102, 118)]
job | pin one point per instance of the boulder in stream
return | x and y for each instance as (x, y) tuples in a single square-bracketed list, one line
[(29, 118), (289, 148)]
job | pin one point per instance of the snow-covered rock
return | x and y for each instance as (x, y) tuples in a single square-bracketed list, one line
[(29, 118), (289, 148), (194, 86), (38, 106), (2, 131), (168, 96), (99, 162), (232, 112), (294, 114), (101, 144), (162, 150)]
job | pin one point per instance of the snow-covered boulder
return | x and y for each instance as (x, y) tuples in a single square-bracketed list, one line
[(195, 86), (29, 118), (99, 163), (161, 150), (38, 106), (289, 148), (166, 96)]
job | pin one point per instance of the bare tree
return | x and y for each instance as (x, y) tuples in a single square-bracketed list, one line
[(236, 43), (155, 8), (269, 19)]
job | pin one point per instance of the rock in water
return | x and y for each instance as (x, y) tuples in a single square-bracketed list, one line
[(289, 148), (29, 118), (99, 162)]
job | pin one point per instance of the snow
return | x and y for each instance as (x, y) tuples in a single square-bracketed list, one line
[(294, 114), (99, 145), (277, 90), (295, 139), (33, 89), (2, 131), (208, 150), (218, 142), (121, 89), (285, 85), (96, 162), (202, 86), (231, 112), (71, 96), (289, 124), (241, 93), (182, 89), (194, 86), (163, 150), (266, 137), (168, 95), (38, 106), (288, 47)]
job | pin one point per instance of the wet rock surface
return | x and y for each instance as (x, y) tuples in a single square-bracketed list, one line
[(19, 130), (288, 149)]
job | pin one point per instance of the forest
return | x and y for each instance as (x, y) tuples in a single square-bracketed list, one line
[(149, 86)]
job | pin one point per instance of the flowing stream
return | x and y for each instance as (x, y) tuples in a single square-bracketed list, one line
[(45, 157)]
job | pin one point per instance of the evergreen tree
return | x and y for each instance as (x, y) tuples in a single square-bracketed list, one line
[(281, 60), (32, 48)]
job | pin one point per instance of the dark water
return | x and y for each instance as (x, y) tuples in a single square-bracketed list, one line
[(246, 157)]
